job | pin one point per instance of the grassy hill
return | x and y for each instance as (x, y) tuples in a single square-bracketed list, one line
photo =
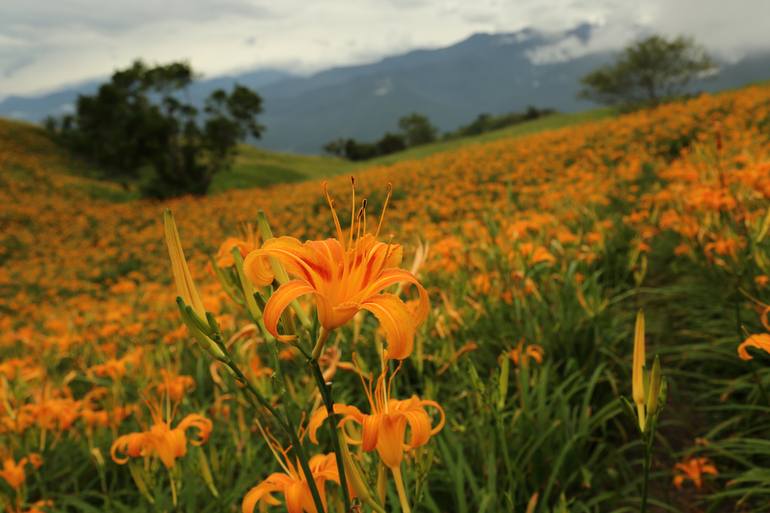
[(256, 167)]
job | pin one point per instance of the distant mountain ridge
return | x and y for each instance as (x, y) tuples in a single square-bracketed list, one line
[(493, 73)]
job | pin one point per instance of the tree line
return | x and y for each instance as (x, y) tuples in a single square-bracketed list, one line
[(417, 130)]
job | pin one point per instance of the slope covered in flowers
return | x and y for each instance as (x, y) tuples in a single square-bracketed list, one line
[(540, 251)]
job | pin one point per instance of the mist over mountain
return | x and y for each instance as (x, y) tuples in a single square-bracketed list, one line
[(492, 73)]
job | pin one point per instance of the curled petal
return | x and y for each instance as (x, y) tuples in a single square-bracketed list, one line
[(262, 492), (390, 277), (300, 260), (397, 321), (318, 417), (418, 420), (442, 416), (203, 424), (761, 341), (130, 446), (324, 467), (224, 256), (257, 268), (279, 301)]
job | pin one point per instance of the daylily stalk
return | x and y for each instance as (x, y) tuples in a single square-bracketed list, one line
[(197, 330), (323, 336), (248, 289), (402, 498)]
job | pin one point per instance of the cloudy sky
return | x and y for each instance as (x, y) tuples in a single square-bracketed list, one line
[(45, 44)]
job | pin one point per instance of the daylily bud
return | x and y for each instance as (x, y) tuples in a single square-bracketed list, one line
[(502, 392), (637, 375), (97, 456), (764, 227), (184, 283), (203, 464)]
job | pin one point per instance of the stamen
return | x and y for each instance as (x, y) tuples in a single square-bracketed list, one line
[(334, 212), (359, 221), (366, 382), (384, 208), (390, 380), (272, 443), (363, 207)]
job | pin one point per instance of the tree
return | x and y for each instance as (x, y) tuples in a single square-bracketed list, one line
[(138, 127), (335, 147), (390, 143), (647, 72), (355, 150), (417, 129)]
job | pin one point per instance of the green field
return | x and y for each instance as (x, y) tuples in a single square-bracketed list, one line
[(256, 167)]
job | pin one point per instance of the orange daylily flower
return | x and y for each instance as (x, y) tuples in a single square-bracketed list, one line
[(523, 354), (693, 469), (161, 439), (384, 428), (40, 507), (246, 244), (345, 275), (293, 484), (175, 386), (761, 341), (13, 471)]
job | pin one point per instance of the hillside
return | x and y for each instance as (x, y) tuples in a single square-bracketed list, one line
[(541, 262)]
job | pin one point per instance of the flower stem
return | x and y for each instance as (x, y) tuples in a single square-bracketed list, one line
[(173, 487), (402, 498), (326, 394), (319, 344), (646, 471), (286, 426)]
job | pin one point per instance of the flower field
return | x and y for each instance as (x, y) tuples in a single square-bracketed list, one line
[(476, 317)]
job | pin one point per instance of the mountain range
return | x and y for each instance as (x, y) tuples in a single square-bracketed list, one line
[(485, 73)]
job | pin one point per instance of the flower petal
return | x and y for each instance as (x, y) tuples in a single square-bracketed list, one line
[(761, 341), (318, 417), (261, 492), (371, 428), (279, 301), (397, 321), (390, 439)]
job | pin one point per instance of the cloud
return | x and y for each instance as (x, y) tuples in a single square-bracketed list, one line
[(44, 44)]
